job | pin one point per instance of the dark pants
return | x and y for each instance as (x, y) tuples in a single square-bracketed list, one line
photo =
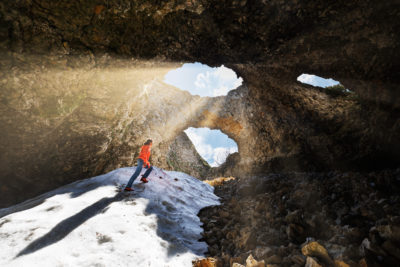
[(137, 172)]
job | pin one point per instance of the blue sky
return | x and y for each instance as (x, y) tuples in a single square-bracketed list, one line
[(203, 80), (316, 81), (213, 145)]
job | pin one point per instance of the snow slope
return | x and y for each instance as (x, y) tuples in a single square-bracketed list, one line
[(91, 223)]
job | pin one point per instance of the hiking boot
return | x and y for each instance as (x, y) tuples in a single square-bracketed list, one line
[(144, 180), (128, 189)]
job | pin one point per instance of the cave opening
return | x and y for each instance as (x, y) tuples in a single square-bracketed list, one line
[(330, 86), (317, 81), (213, 146), (203, 80)]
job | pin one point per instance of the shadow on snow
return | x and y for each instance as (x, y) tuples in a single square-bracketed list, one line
[(66, 226), (168, 222)]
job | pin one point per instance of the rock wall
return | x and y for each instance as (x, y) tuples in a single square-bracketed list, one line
[(81, 85), (182, 156)]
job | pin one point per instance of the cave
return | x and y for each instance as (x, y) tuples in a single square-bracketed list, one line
[(83, 86)]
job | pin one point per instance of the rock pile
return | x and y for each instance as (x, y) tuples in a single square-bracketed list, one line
[(307, 219)]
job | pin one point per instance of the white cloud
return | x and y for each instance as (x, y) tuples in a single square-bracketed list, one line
[(215, 156), (225, 80), (225, 74), (202, 80), (306, 78), (216, 81), (223, 90), (221, 153), (205, 150)]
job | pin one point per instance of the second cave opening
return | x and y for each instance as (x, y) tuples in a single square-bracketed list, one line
[(213, 145)]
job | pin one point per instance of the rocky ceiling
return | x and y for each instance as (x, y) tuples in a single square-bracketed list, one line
[(81, 85)]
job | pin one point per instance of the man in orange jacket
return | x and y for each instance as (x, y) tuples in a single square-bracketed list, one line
[(143, 159)]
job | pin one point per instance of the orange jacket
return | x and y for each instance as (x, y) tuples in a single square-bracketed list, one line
[(145, 154)]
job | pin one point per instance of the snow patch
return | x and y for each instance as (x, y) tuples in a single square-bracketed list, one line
[(91, 223)]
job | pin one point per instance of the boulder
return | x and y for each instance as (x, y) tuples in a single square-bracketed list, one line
[(314, 249), (311, 262), (251, 262), (262, 252), (208, 262), (235, 260), (298, 259)]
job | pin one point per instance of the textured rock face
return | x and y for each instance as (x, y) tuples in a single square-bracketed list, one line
[(182, 156), (79, 110)]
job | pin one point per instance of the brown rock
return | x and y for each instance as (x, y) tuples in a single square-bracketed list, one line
[(224, 214), (314, 249), (251, 262), (310, 262), (298, 259), (262, 252), (231, 235), (294, 217), (248, 238), (208, 262), (390, 232), (235, 260), (98, 9), (274, 259), (295, 233), (363, 263)]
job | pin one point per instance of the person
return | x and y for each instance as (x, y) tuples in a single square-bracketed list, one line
[(143, 160)]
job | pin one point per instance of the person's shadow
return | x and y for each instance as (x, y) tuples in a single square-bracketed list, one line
[(66, 226)]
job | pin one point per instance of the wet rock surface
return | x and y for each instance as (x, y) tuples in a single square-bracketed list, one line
[(311, 219)]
